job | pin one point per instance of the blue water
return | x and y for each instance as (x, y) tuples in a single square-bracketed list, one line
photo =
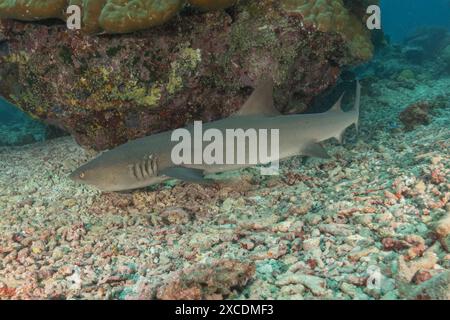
[(8, 112), (400, 18)]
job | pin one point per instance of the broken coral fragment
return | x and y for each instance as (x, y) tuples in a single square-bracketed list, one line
[(209, 5), (120, 16), (32, 10)]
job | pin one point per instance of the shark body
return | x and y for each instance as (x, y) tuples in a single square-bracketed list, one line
[(145, 161)]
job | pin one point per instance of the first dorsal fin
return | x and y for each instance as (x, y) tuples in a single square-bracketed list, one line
[(338, 105), (261, 101)]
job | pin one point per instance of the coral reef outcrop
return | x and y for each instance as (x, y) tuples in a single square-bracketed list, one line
[(107, 89)]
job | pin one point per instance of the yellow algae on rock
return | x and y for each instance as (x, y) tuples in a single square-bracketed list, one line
[(187, 62), (91, 10), (209, 5), (333, 16), (31, 10), (122, 16)]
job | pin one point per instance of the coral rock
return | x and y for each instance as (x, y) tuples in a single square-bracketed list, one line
[(414, 115), (443, 226), (111, 89), (208, 281), (333, 16)]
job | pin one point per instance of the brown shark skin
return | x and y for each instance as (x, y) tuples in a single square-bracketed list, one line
[(139, 163)]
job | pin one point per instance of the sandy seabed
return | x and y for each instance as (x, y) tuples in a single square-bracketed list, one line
[(373, 222)]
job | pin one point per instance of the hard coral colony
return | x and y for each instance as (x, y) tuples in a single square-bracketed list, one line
[(109, 16)]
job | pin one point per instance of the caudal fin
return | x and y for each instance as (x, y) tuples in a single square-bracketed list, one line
[(357, 104)]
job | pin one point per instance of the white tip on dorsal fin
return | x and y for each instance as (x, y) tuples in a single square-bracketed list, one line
[(338, 105), (261, 101)]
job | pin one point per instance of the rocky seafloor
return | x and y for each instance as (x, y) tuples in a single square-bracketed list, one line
[(372, 222)]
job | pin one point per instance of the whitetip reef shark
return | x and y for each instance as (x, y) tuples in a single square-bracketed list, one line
[(146, 161)]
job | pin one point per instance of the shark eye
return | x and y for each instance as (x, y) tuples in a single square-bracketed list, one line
[(81, 175)]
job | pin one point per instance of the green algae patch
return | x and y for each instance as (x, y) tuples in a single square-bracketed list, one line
[(108, 87), (144, 97), (186, 63), (20, 58)]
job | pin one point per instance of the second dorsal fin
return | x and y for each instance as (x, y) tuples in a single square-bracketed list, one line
[(261, 101)]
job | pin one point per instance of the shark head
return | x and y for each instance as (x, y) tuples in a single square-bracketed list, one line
[(108, 174), (97, 175)]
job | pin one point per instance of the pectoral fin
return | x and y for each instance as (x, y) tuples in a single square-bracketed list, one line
[(315, 150), (186, 174)]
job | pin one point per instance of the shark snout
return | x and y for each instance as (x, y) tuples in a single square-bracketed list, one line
[(77, 175)]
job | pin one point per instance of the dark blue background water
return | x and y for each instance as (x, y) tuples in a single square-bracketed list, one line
[(9, 113), (400, 18)]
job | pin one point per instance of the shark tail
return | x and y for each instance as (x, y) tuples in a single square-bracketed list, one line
[(355, 109)]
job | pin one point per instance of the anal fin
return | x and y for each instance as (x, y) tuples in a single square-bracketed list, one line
[(340, 138)]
